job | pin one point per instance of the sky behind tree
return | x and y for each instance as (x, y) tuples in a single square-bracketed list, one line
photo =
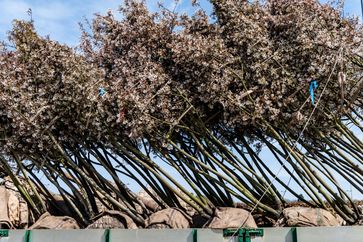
[(60, 18)]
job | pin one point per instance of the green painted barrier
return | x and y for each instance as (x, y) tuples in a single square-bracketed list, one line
[(243, 235), (195, 235), (294, 234), (107, 235), (4, 233), (28, 236)]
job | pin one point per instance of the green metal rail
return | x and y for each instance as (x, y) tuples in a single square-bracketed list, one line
[(4, 233), (243, 234)]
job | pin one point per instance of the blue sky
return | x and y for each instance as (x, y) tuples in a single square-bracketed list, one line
[(60, 18)]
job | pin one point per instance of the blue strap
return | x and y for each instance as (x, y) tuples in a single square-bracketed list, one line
[(101, 91), (312, 88)]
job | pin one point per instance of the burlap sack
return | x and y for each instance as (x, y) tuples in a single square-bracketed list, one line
[(24, 214), (113, 220), (148, 201), (4, 214), (14, 208), (151, 204), (47, 221), (227, 217), (360, 221), (304, 216), (168, 218), (17, 207), (58, 206)]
